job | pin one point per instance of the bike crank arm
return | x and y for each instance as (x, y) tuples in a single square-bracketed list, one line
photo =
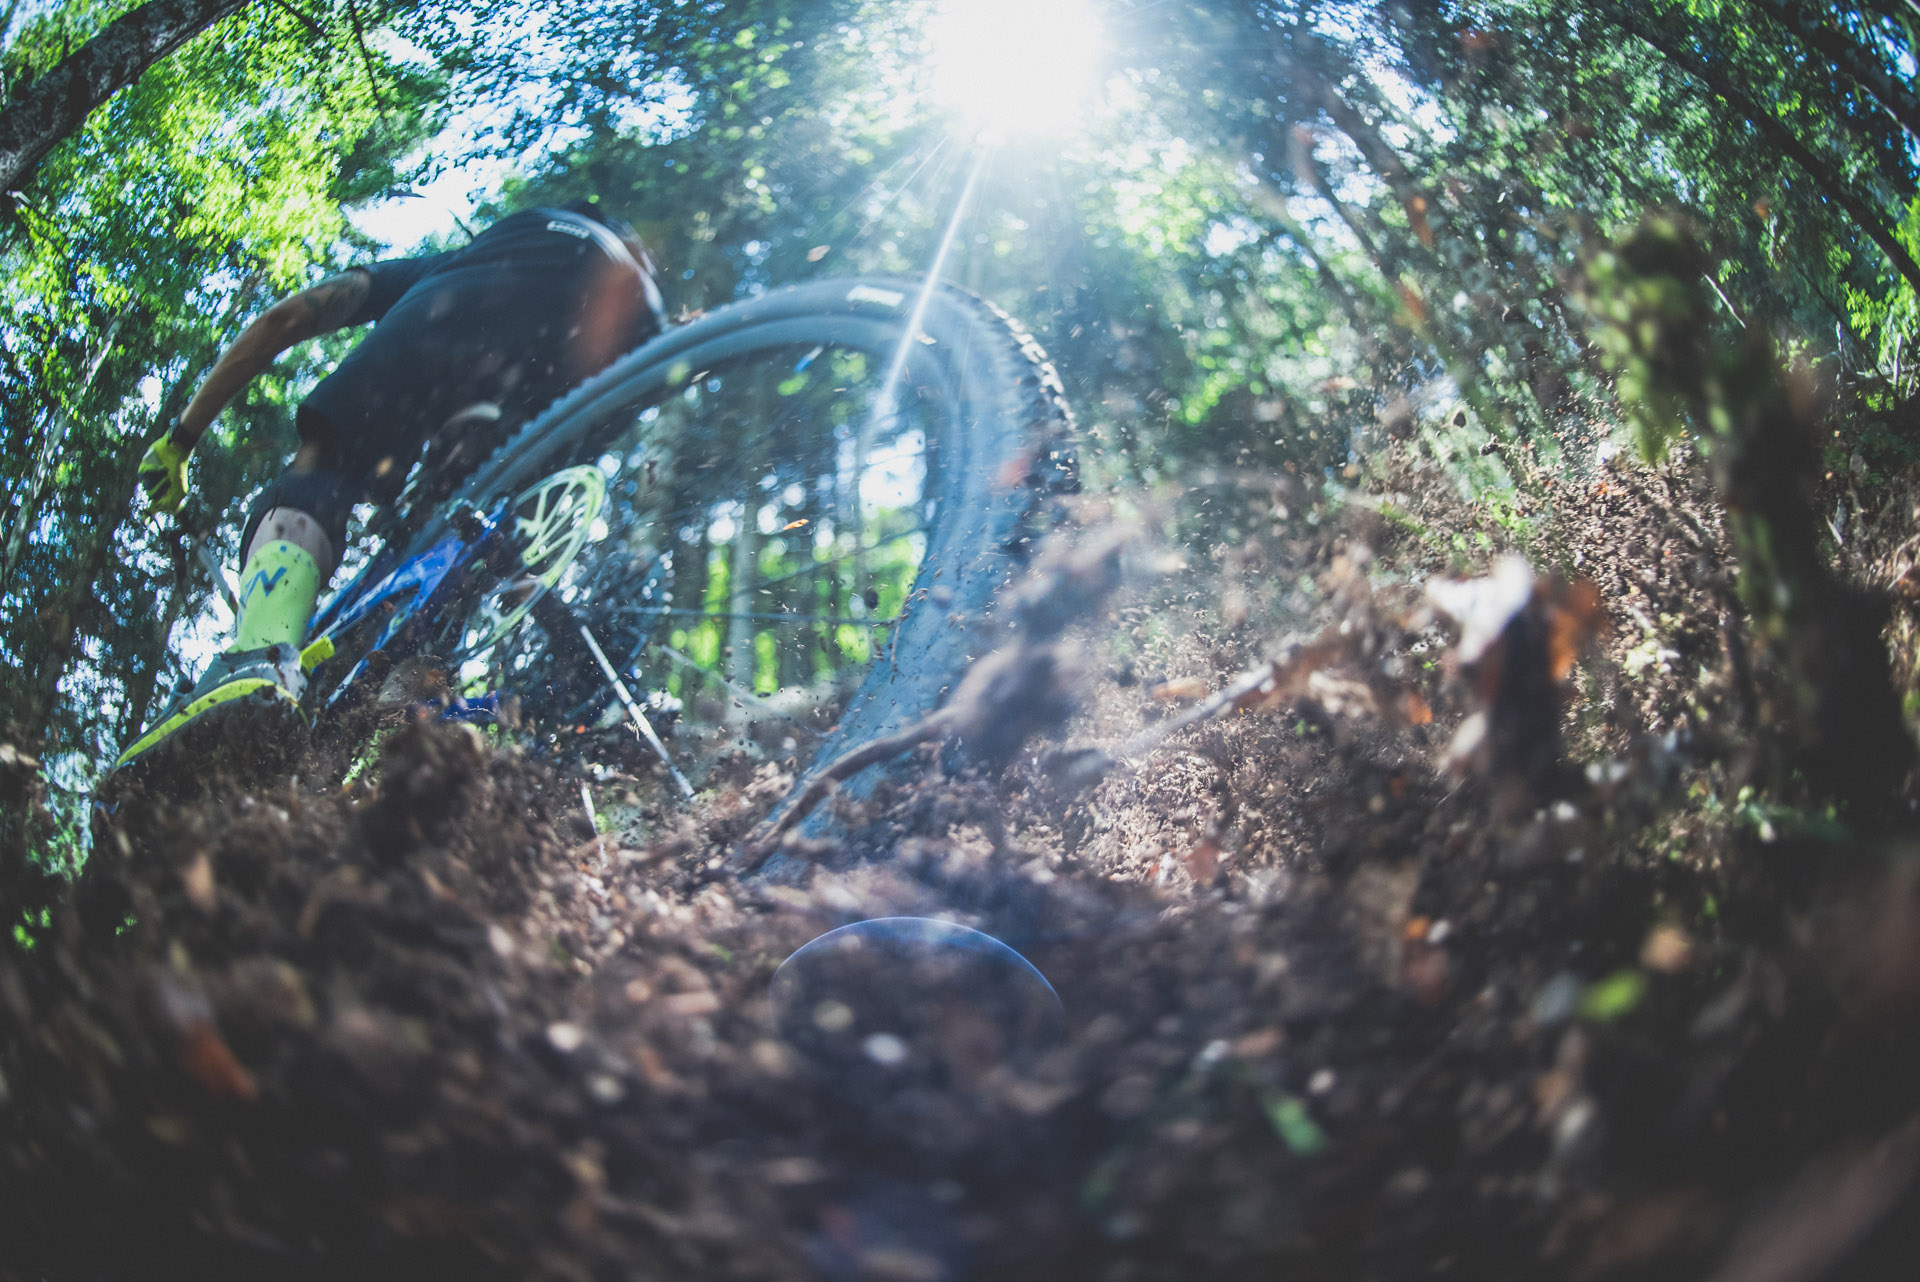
[(640, 721)]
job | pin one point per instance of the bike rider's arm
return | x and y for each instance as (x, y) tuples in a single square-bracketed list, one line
[(318, 310)]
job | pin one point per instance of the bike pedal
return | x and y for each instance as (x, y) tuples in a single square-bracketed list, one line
[(317, 653)]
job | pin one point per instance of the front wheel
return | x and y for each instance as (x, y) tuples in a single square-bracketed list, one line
[(811, 495)]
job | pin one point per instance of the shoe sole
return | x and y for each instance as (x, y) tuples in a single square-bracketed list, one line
[(203, 735)]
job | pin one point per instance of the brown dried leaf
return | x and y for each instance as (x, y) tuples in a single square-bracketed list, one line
[(1574, 619), (1416, 207), (1204, 860), (208, 1060), (1184, 688)]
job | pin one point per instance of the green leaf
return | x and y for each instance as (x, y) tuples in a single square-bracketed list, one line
[(1293, 1124), (1616, 995)]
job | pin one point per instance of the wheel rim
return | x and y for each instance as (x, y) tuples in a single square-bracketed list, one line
[(553, 520)]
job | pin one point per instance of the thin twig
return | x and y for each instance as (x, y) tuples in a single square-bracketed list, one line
[(1724, 300), (687, 661), (762, 846), (366, 60), (301, 18)]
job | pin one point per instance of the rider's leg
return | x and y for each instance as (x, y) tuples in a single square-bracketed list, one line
[(289, 557), (290, 540)]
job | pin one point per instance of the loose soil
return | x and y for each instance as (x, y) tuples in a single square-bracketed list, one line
[(1350, 993)]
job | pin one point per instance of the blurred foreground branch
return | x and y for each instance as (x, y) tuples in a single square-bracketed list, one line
[(1657, 334)]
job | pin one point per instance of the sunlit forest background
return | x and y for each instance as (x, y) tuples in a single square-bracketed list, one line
[(1251, 235)]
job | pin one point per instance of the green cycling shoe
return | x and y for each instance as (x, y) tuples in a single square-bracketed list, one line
[(258, 690)]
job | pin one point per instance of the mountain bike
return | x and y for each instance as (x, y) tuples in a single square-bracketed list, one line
[(789, 513)]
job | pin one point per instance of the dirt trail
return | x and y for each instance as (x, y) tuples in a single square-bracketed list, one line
[(1349, 993)]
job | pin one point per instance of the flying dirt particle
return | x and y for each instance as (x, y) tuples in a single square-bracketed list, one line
[(169, 1128), (690, 1004), (196, 879), (564, 1037), (1427, 972), (1668, 950), (771, 1058), (1257, 1045)]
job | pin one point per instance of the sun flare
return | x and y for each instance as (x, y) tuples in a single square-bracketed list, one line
[(1016, 67)]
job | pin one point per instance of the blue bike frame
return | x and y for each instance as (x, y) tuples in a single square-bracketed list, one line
[(416, 590)]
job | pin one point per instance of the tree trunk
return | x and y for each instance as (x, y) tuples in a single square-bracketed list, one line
[(57, 103)]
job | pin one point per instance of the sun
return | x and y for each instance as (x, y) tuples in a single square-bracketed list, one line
[(1016, 67)]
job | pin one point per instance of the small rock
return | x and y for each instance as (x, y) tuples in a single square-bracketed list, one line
[(833, 1017), (793, 1170), (1556, 1000), (564, 1037), (270, 989), (1128, 1097)]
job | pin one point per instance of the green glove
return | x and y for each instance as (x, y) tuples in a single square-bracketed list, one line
[(163, 473)]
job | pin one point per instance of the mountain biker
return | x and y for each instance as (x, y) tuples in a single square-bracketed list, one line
[(528, 308)]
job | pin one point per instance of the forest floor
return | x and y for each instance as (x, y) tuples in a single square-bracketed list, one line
[(1472, 947)]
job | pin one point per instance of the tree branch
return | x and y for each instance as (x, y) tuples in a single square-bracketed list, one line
[(1632, 21), (57, 103), (1848, 57)]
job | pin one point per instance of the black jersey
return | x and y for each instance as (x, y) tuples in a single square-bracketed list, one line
[(532, 305)]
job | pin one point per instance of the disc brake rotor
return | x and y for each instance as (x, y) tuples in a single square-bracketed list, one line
[(552, 520)]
